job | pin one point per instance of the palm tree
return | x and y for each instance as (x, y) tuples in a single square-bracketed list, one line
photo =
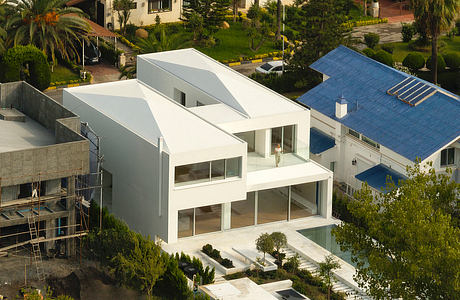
[(278, 19), (49, 25), (437, 15), (2, 27)]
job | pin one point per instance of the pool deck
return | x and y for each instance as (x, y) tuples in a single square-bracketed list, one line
[(245, 237)]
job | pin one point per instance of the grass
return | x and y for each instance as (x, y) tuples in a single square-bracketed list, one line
[(233, 43), (401, 49), (61, 73)]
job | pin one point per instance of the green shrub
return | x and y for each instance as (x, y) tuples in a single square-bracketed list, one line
[(207, 249), (369, 52), (227, 263), (414, 61), (292, 264), (12, 66), (108, 52), (388, 48), (215, 254), (441, 63), (452, 60), (457, 25), (408, 31), (173, 283), (384, 57), (371, 39)]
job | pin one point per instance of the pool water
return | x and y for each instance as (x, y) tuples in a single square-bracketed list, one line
[(324, 238)]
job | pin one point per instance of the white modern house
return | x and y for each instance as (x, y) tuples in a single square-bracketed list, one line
[(189, 148), (369, 121)]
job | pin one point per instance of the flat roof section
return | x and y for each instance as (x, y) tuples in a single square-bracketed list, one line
[(241, 289), (16, 135), (151, 115), (228, 86)]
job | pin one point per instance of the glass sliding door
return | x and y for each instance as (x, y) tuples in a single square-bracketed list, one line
[(243, 212), (272, 205), (285, 137), (303, 200), (185, 223), (207, 218), (250, 138)]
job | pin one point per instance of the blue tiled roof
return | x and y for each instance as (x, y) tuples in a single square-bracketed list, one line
[(376, 176), (319, 141), (411, 131)]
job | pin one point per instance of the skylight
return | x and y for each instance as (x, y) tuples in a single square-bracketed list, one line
[(412, 91)]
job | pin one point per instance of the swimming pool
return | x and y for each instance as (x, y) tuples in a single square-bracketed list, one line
[(324, 238)]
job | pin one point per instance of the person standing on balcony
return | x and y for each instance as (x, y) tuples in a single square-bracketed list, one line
[(278, 152)]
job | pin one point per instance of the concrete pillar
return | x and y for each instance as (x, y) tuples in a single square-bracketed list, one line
[(70, 206), (226, 218), (50, 230), (263, 142)]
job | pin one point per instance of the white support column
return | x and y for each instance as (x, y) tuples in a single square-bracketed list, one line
[(289, 203), (325, 190), (256, 203), (226, 219)]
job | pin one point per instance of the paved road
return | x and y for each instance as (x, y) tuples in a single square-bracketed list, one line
[(247, 69)]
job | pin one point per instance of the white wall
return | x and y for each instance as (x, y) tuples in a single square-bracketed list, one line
[(165, 82), (133, 163), (140, 16)]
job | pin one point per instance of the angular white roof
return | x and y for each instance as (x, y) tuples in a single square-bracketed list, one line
[(218, 113), (151, 115), (226, 85)]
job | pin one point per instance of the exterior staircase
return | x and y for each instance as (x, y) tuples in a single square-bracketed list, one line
[(338, 285)]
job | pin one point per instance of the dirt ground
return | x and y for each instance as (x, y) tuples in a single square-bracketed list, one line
[(64, 276)]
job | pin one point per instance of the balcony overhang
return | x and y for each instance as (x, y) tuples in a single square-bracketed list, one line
[(289, 175)]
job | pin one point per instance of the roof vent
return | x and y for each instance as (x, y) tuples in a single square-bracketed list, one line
[(341, 107)]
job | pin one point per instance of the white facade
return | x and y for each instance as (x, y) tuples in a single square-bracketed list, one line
[(207, 119), (145, 12)]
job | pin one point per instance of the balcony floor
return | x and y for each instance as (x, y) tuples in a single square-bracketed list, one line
[(256, 162)]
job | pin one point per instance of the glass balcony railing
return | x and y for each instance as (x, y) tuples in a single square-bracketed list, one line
[(257, 161)]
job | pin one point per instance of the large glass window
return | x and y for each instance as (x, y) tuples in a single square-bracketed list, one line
[(448, 156), (158, 5), (303, 200), (185, 223), (243, 211), (250, 138), (285, 137), (233, 167), (218, 169), (207, 218), (191, 174), (207, 171), (272, 205)]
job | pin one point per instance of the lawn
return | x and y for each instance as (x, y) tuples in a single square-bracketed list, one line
[(401, 49), (233, 43), (61, 73)]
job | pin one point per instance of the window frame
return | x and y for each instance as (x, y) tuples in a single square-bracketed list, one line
[(449, 157), (161, 9)]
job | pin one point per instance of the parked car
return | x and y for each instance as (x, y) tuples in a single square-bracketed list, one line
[(92, 53), (275, 66)]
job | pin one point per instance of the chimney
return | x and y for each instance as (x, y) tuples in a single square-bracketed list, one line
[(341, 107)]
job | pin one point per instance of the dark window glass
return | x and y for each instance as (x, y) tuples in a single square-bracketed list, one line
[(243, 211), (250, 138), (218, 169), (191, 174), (266, 67), (353, 133), (185, 223), (207, 218), (233, 167)]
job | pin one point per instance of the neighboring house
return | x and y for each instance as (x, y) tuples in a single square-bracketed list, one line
[(41, 155), (189, 148), (369, 121)]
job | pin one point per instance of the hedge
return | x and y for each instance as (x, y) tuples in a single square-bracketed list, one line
[(384, 57), (353, 23), (369, 52), (414, 61), (16, 57), (441, 63), (371, 39), (452, 60)]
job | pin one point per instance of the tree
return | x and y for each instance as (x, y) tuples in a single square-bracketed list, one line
[(326, 271), (279, 241), (123, 9), (408, 243), (49, 25), (258, 27), (211, 11), (142, 267), (195, 23), (235, 4), (2, 28), (264, 243), (278, 19), (319, 23), (436, 15)]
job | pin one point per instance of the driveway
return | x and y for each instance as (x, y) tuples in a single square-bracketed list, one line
[(247, 69)]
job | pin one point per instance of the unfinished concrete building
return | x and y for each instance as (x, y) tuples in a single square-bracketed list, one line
[(42, 155)]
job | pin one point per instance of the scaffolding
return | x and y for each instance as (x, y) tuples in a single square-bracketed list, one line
[(70, 203)]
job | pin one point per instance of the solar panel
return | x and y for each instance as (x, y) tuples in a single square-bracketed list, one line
[(412, 91)]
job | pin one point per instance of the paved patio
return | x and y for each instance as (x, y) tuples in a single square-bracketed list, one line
[(245, 237)]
